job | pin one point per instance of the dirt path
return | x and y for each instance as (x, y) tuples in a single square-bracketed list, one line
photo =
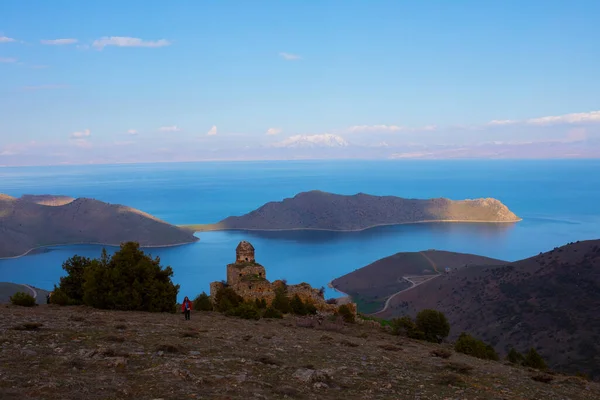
[(414, 285), (32, 290)]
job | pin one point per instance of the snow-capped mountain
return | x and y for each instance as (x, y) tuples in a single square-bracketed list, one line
[(323, 140)]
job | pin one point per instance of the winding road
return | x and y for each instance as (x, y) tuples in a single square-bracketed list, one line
[(410, 279), (32, 290)]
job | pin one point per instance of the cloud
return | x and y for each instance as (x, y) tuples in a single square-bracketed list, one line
[(376, 128), (81, 134), (321, 140), (274, 131), (7, 60), (389, 128), (45, 87), (173, 128), (132, 132), (212, 131), (501, 122), (4, 39), (574, 118), (124, 41), (290, 56), (58, 42)]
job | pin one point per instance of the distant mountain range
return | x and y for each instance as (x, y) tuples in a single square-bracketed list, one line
[(35, 221), (327, 211), (549, 301)]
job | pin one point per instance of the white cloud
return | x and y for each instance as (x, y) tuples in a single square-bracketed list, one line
[(7, 60), (124, 41), (389, 128), (81, 134), (376, 128), (289, 56), (274, 131), (500, 122), (576, 118), (4, 39), (322, 140), (58, 42), (132, 132), (8, 153), (212, 131), (173, 128), (45, 87)]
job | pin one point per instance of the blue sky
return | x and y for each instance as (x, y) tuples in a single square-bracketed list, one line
[(289, 79)]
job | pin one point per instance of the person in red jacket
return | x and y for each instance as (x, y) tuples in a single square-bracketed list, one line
[(186, 307)]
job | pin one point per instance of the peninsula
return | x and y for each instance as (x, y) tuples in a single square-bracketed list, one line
[(30, 222), (317, 210)]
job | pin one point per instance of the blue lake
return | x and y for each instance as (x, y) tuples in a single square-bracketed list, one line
[(558, 201)]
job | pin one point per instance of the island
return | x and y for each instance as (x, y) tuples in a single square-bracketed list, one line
[(31, 222), (317, 210)]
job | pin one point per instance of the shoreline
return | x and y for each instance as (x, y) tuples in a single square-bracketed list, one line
[(93, 244), (194, 227), (346, 297)]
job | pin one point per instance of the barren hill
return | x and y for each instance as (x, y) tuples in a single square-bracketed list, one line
[(51, 353), (549, 301), (327, 211), (26, 224), (370, 286)]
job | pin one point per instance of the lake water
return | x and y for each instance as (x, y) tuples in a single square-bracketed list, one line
[(558, 201)]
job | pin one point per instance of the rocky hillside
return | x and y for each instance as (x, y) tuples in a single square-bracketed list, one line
[(328, 211), (56, 353), (26, 224), (370, 286), (549, 301)]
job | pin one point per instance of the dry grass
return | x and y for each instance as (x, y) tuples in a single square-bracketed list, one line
[(390, 347), (156, 361), (441, 353), (459, 367)]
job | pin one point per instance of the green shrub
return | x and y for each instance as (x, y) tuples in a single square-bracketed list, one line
[(281, 302), (245, 311), (514, 357), (297, 306), (403, 326), (311, 309), (271, 312), (22, 299), (346, 313), (130, 280), (227, 299), (202, 302), (60, 297), (534, 360), (72, 284), (471, 346), (433, 324), (261, 304)]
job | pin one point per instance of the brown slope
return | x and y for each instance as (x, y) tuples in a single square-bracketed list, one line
[(328, 211), (549, 301), (25, 225), (370, 286)]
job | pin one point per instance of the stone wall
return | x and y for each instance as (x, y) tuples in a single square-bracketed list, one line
[(214, 288), (238, 272), (252, 290)]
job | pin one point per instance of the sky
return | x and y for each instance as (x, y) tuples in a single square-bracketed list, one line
[(159, 81)]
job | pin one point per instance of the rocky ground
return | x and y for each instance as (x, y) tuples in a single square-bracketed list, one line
[(49, 352)]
